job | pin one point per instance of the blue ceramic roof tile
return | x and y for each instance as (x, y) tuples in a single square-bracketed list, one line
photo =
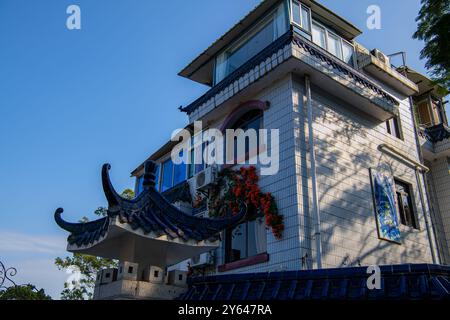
[(150, 211), (407, 281)]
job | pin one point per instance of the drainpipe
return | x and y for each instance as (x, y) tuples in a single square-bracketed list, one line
[(316, 210), (424, 175), (427, 223), (425, 186)]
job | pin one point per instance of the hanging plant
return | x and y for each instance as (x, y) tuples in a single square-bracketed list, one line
[(234, 187)]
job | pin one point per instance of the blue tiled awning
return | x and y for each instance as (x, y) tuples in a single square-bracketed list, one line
[(408, 281)]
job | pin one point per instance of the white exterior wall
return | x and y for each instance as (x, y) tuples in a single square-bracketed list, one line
[(284, 254), (346, 144), (440, 187), (346, 147)]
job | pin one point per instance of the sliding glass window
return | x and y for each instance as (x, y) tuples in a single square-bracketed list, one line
[(331, 42), (250, 44), (301, 16), (167, 178), (334, 45), (319, 35)]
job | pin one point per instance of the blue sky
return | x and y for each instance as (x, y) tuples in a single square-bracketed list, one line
[(73, 100)]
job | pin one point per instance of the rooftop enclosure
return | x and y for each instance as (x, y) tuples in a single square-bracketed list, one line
[(280, 37), (419, 281), (148, 223), (201, 69)]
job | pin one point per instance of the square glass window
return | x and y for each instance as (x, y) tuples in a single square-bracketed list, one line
[(139, 184), (167, 172), (179, 172), (306, 19), (296, 13), (318, 36), (239, 242), (242, 54), (246, 240), (393, 127), (405, 204), (334, 45), (347, 51), (259, 37)]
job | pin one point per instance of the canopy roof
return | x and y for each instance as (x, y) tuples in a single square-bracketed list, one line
[(143, 220)]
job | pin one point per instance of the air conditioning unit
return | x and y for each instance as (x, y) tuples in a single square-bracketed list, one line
[(381, 56), (205, 178), (202, 259)]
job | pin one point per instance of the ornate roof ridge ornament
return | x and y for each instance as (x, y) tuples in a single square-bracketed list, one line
[(150, 211)]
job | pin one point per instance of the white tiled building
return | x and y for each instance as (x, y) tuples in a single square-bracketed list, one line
[(287, 57), (353, 133)]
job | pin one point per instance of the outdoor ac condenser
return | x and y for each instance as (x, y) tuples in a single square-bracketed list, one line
[(203, 259), (205, 178), (381, 56)]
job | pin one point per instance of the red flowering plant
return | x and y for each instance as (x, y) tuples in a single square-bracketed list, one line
[(234, 187)]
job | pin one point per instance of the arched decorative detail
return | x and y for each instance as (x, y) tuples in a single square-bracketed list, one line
[(243, 109)]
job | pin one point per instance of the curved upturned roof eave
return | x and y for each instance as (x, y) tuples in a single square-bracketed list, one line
[(149, 216), (117, 229)]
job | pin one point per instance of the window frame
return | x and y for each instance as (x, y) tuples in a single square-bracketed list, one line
[(411, 203), (191, 155), (248, 154), (160, 176), (397, 125), (419, 104), (228, 242), (341, 40), (247, 34), (301, 5)]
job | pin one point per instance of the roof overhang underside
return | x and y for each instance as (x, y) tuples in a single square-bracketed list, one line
[(423, 83), (123, 243)]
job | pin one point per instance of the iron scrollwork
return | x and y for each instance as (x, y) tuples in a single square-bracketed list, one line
[(5, 276)]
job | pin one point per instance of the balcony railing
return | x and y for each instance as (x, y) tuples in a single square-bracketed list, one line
[(344, 77)]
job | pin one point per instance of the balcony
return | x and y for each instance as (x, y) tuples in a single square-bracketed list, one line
[(435, 141), (292, 53), (385, 73)]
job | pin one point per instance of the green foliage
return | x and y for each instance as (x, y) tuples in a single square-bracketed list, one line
[(88, 265), (433, 28), (25, 292), (128, 194)]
